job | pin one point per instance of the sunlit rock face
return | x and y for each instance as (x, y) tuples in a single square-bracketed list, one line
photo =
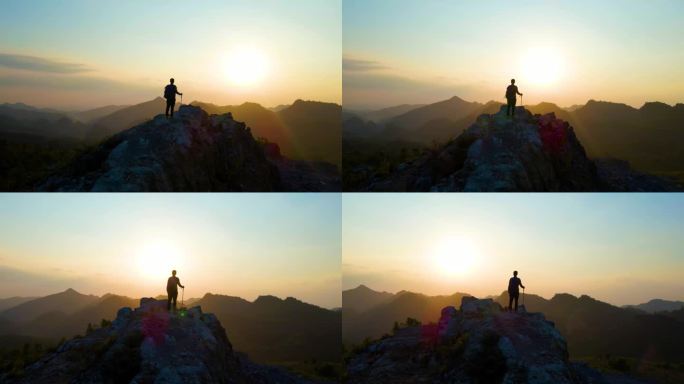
[(479, 343), (149, 344), (525, 153)]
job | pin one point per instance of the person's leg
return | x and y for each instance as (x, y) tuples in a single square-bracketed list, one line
[(508, 108), (167, 108), (516, 301), (513, 114), (168, 301), (175, 298), (510, 301), (173, 104)]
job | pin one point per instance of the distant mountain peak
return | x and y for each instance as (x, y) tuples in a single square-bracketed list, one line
[(267, 299)]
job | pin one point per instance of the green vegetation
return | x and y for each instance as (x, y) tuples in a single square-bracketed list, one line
[(314, 369), (25, 163), (363, 159), (657, 371), (14, 360)]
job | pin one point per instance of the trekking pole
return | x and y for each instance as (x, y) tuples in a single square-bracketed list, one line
[(183, 291)]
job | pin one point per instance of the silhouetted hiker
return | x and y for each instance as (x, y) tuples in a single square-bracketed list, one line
[(172, 285), (513, 291), (512, 97), (170, 93)]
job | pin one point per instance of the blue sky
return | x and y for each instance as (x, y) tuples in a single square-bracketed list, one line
[(238, 244), (621, 248), (428, 50), (128, 49)]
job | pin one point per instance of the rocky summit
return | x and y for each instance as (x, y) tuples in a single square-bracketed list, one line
[(526, 153), (193, 151), (479, 343), (150, 345)]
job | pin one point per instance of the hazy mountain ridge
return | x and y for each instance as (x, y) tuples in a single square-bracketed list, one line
[(591, 327), (658, 305)]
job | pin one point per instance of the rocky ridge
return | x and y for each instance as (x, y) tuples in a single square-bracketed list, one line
[(193, 151), (150, 345), (479, 343), (527, 153)]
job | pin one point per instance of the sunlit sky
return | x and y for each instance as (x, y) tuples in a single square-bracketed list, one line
[(82, 53), (619, 248), (565, 52), (236, 244)]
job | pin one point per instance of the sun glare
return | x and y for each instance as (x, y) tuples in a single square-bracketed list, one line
[(154, 261), (542, 66), (246, 66), (455, 257)]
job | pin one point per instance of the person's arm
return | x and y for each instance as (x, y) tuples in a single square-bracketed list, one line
[(518, 92), (520, 282), (179, 284)]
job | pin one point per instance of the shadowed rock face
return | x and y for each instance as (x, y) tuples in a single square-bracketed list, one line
[(480, 343), (151, 345), (191, 152), (498, 154)]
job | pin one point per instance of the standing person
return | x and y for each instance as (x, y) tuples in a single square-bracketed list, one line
[(170, 93), (513, 291), (172, 285), (511, 96)]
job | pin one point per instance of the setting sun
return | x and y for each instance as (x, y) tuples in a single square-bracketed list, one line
[(454, 257), (246, 66), (154, 261), (542, 66)]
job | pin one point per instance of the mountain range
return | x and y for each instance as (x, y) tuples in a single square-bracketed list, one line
[(268, 329), (591, 327), (650, 138)]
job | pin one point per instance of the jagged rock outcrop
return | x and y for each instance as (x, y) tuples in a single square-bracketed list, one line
[(480, 343), (150, 345), (497, 154), (193, 151)]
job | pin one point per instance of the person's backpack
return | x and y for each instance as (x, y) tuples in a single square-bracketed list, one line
[(510, 92), (169, 92)]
